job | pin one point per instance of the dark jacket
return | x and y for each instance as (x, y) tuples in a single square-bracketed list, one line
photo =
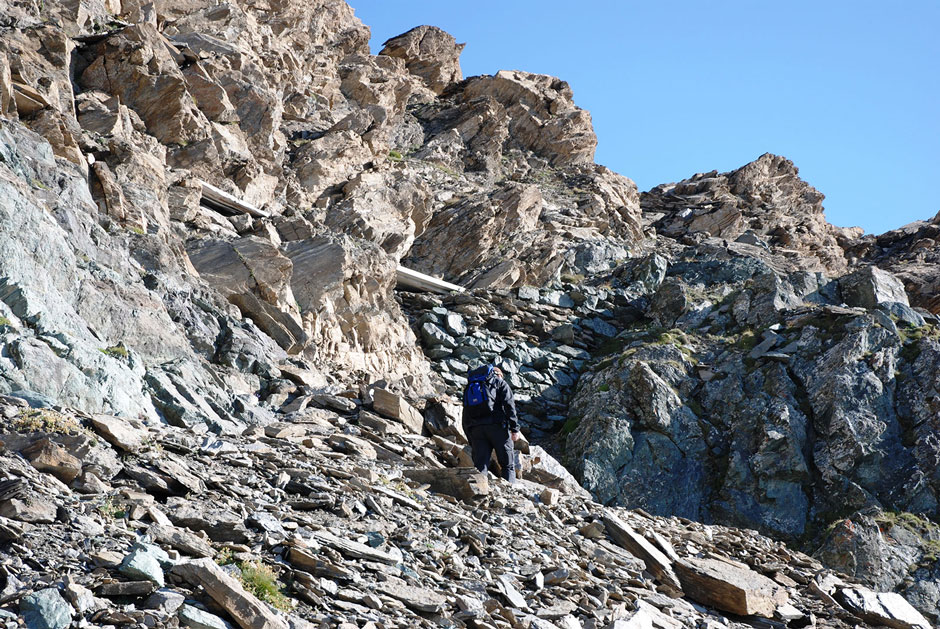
[(504, 409)]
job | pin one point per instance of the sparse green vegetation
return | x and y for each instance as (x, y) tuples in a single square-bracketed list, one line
[(225, 557), (110, 510), (261, 580), (570, 425), (395, 156), (604, 387), (926, 531), (5, 322), (115, 351), (747, 341), (46, 420)]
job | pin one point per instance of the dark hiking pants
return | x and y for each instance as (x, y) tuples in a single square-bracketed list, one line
[(487, 438)]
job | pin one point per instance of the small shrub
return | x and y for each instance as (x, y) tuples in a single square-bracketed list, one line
[(111, 511), (225, 557), (261, 580), (747, 341), (5, 322), (46, 420), (570, 425), (115, 351), (604, 387), (395, 156)]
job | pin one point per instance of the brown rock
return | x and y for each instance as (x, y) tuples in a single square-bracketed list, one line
[(543, 116), (465, 483), (228, 593), (138, 65), (656, 562), (430, 53), (396, 407), (729, 587), (119, 432), (254, 276), (7, 102), (419, 599), (36, 511), (48, 456)]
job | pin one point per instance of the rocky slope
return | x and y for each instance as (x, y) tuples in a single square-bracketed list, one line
[(203, 209)]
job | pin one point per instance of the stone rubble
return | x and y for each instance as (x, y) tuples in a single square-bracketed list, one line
[(357, 538), (203, 208)]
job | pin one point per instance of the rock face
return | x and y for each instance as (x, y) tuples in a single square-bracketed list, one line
[(764, 202), (429, 53), (203, 207), (912, 253)]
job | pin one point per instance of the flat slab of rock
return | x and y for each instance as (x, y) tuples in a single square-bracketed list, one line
[(195, 618), (119, 432), (36, 511), (729, 587), (228, 593), (882, 608), (50, 457), (419, 599), (656, 561), (354, 549), (126, 588), (465, 483), (512, 594), (396, 407)]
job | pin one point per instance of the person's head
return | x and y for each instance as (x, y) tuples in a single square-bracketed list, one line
[(498, 372)]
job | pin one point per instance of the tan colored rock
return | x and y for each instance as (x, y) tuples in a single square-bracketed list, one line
[(210, 97), (389, 208), (228, 593), (108, 192), (344, 289), (419, 599), (763, 201), (656, 562), (138, 65), (28, 100), (396, 407), (465, 483), (61, 131), (252, 274), (48, 456), (119, 432), (7, 102), (34, 511), (430, 53), (729, 587), (543, 116)]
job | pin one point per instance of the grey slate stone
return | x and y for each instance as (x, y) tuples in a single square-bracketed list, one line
[(46, 609)]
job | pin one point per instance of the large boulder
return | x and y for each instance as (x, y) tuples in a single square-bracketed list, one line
[(870, 286), (430, 53), (542, 115)]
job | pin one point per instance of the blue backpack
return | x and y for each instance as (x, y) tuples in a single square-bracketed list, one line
[(478, 397)]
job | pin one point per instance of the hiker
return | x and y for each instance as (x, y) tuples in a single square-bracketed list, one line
[(489, 419)]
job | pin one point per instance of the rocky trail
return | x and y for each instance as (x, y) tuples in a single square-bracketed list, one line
[(221, 408), (337, 516)]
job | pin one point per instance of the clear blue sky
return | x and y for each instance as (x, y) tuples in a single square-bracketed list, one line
[(850, 91)]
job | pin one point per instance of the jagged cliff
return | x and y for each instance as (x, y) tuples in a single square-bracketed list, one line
[(203, 209)]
